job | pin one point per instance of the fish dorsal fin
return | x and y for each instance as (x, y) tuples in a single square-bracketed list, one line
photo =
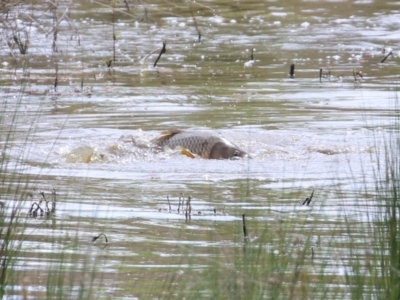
[(165, 136)]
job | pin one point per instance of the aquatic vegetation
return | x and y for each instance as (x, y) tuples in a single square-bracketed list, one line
[(36, 206)]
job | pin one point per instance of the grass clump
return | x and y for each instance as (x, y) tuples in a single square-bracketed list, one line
[(387, 225)]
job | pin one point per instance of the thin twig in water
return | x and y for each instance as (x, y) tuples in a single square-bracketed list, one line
[(82, 71), (163, 50), (144, 58), (169, 204), (45, 201), (56, 79), (114, 33), (145, 16), (179, 203), (197, 28), (53, 202), (126, 5), (291, 73), (308, 199), (96, 237), (61, 18), (34, 213), (383, 60), (30, 210), (190, 205), (244, 226), (188, 209), (23, 47), (55, 24)]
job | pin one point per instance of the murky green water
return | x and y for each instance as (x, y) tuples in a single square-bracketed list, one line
[(304, 134)]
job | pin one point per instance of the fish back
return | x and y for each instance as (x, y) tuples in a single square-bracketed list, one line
[(203, 144)]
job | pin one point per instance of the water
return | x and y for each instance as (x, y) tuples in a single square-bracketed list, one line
[(304, 134)]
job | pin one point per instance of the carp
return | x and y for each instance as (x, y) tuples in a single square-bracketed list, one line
[(202, 144)]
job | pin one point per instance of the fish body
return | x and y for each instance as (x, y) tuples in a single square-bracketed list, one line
[(203, 144)]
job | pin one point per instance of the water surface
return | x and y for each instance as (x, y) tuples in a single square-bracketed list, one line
[(304, 133)]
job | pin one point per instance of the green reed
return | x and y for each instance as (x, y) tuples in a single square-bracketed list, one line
[(387, 225)]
